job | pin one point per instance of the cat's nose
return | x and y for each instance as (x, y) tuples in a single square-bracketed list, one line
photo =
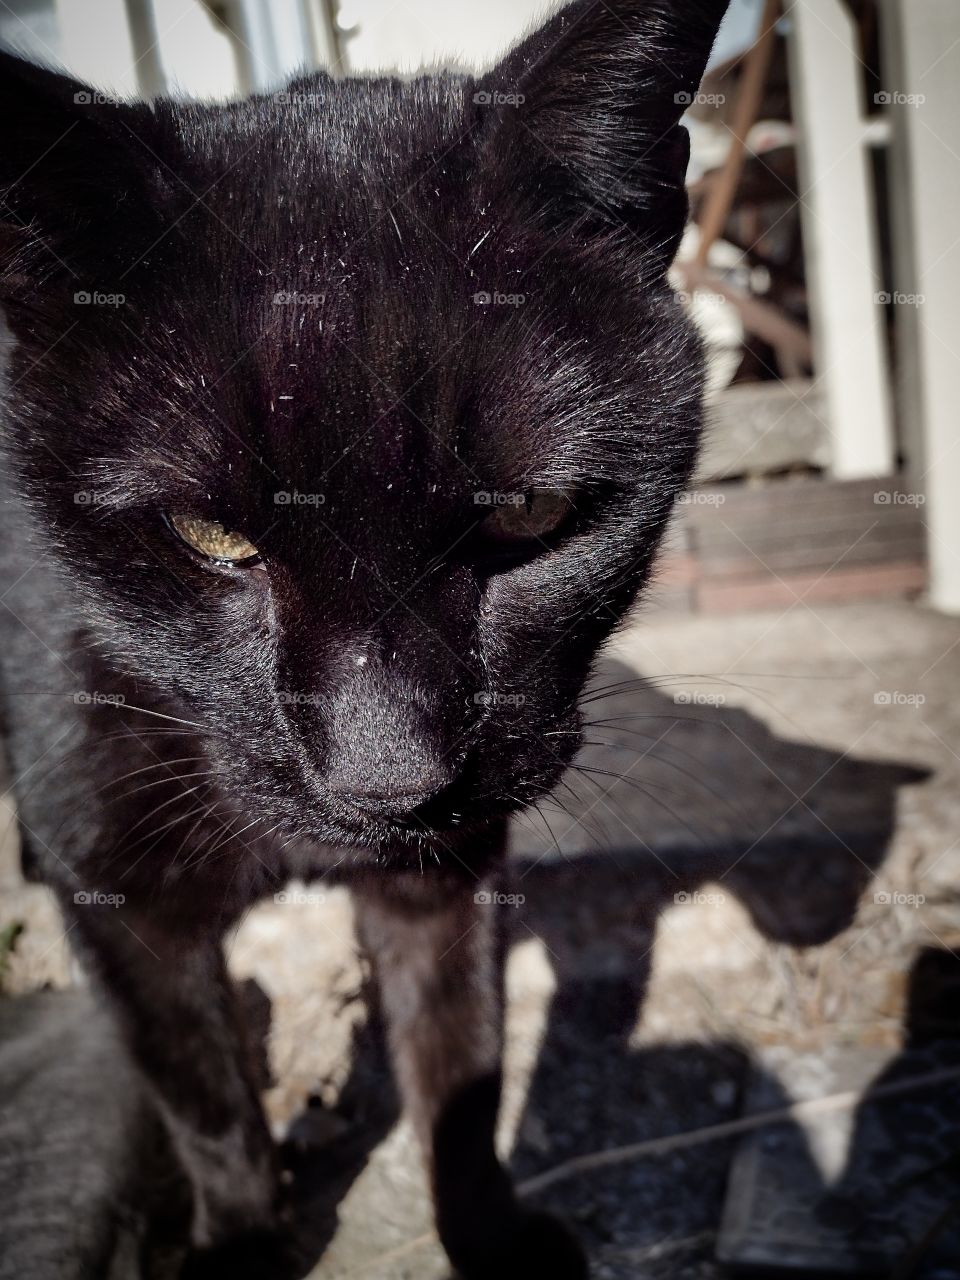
[(390, 747)]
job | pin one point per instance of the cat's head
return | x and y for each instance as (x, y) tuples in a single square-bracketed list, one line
[(356, 412)]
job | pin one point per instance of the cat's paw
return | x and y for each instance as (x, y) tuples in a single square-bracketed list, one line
[(536, 1244)]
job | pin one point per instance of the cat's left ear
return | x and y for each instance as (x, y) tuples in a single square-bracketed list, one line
[(77, 185), (586, 115)]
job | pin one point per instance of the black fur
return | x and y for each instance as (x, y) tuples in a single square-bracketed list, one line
[(377, 693)]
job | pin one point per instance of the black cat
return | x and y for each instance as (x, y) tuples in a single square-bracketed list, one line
[(341, 428)]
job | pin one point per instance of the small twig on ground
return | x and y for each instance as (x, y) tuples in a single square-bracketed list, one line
[(732, 1128)]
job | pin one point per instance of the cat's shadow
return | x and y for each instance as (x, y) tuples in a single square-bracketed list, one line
[(696, 803), (677, 788)]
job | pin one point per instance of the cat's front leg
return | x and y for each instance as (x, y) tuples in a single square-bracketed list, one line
[(438, 951), (182, 1020)]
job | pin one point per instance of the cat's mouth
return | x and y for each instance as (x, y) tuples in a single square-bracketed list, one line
[(459, 813), (447, 823), (432, 824), (457, 819)]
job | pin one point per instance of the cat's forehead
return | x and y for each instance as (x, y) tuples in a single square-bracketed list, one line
[(405, 367), (390, 348), (380, 393), (348, 246), (332, 147)]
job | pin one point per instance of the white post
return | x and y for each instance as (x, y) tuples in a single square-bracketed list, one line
[(839, 232), (276, 40), (922, 41), (328, 50), (97, 45)]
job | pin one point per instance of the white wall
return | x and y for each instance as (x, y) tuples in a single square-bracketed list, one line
[(422, 32)]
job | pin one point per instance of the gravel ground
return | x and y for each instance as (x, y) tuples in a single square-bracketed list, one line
[(751, 881)]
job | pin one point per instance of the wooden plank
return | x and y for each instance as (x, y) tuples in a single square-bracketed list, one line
[(755, 428), (727, 522), (784, 564), (717, 206), (747, 547), (774, 494), (903, 579)]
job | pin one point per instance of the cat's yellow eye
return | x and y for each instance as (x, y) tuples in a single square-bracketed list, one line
[(214, 541), (528, 517)]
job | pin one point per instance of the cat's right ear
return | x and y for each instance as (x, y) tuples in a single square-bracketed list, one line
[(582, 119), (77, 186)]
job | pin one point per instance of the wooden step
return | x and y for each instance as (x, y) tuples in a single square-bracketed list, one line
[(766, 545)]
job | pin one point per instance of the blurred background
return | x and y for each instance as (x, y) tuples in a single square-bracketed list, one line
[(734, 1030)]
